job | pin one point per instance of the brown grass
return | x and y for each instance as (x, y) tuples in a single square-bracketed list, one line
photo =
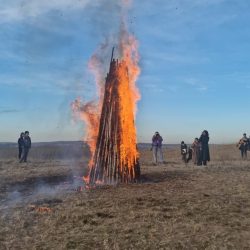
[(174, 207)]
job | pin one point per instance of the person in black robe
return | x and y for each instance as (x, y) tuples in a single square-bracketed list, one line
[(20, 145), (204, 155)]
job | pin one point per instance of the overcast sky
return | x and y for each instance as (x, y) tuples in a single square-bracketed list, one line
[(195, 70)]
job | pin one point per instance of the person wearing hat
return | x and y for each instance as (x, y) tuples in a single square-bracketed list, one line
[(243, 145), (27, 146), (157, 148)]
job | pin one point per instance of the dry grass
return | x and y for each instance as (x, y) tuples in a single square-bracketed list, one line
[(174, 207)]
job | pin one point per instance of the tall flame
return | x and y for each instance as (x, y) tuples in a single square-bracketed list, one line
[(128, 72), (129, 95)]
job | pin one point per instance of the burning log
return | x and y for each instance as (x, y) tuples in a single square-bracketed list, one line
[(116, 157)]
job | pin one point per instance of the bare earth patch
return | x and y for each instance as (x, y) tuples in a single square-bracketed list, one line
[(174, 207)]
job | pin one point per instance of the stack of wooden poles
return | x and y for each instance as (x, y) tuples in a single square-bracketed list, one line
[(106, 165)]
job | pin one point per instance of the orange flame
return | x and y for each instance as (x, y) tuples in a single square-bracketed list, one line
[(89, 113), (128, 72), (129, 95)]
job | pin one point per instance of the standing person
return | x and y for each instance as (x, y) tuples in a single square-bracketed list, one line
[(204, 156), (157, 148), (20, 145), (243, 146), (196, 150), (27, 146), (184, 151)]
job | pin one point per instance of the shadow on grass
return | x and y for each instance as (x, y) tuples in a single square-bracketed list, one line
[(157, 177)]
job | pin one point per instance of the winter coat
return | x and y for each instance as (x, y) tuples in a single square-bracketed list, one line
[(196, 150), (157, 141), (205, 155), (184, 149), (27, 142), (20, 142)]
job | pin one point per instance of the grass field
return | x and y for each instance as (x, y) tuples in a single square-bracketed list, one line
[(174, 207)]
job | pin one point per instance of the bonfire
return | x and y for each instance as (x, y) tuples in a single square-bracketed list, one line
[(116, 156), (110, 122)]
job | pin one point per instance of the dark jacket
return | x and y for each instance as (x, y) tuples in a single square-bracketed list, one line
[(20, 142), (27, 142), (205, 155), (184, 150)]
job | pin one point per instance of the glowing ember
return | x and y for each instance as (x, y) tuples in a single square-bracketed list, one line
[(40, 209)]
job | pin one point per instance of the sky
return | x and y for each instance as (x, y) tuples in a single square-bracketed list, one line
[(194, 60)]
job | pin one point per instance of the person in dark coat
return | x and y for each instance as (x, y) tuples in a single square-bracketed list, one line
[(27, 146), (184, 151), (20, 145), (204, 155)]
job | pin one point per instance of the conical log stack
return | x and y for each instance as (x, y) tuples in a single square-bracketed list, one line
[(116, 156)]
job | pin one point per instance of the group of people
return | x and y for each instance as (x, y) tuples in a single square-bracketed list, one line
[(198, 151), (244, 145), (24, 145)]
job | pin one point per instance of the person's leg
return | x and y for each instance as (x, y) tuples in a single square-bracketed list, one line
[(20, 153), (26, 151), (199, 161), (184, 158), (160, 155), (22, 156), (155, 154), (242, 153), (189, 155)]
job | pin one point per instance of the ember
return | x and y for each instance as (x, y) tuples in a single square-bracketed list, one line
[(40, 209)]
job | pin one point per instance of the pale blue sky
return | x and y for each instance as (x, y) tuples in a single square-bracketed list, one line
[(195, 66)]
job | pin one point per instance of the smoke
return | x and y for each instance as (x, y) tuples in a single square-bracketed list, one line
[(39, 191), (108, 19)]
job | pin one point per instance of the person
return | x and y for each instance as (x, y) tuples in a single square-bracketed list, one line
[(157, 148), (20, 145), (243, 145), (27, 146), (195, 150), (184, 151), (204, 155)]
